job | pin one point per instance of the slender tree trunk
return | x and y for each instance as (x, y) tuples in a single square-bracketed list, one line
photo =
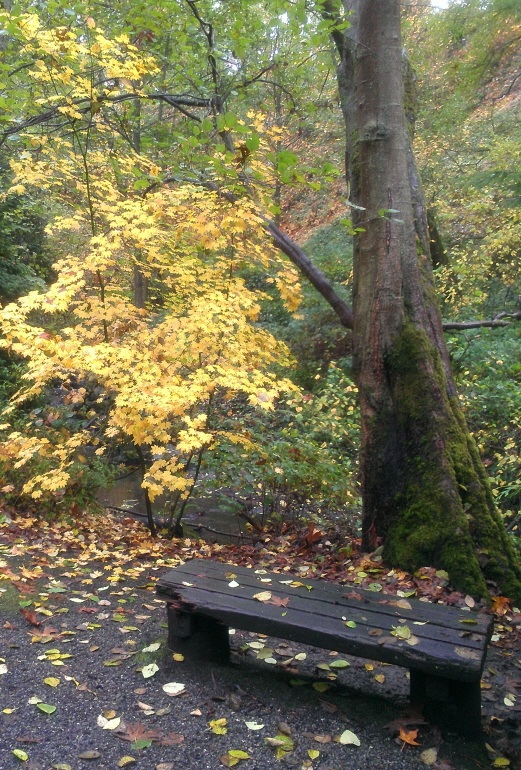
[(139, 279), (425, 493)]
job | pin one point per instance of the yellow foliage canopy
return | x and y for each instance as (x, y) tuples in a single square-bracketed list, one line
[(162, 366)]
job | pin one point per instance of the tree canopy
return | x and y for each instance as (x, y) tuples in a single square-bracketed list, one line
[(169, 148)]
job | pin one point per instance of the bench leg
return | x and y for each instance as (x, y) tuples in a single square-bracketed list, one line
[(198, 637), (449, 703)]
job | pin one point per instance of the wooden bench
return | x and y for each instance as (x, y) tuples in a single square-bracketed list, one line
[(444, 648)]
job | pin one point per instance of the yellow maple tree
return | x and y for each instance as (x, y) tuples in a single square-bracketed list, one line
[(162, 368)]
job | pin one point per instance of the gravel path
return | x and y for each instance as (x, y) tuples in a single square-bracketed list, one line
[(101, 629)]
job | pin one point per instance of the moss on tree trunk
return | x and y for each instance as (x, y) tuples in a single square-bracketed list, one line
[(428, 493)]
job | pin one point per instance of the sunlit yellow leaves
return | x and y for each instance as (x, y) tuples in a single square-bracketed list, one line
[(162, 370), (348, 738)]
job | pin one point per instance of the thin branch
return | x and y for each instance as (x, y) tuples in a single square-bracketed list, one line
[(84, 105), (257, 77), (20, 68), (287, 245), (329, 11), (491, 323)]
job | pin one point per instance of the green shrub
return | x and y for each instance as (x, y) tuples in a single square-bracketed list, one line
[(302, 455)]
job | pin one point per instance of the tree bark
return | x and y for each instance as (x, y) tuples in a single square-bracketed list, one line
[(425, 493)]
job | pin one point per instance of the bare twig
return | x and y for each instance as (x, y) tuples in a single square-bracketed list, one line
[(499, 320)]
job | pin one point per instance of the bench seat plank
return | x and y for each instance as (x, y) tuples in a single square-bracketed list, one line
[(365, 606)]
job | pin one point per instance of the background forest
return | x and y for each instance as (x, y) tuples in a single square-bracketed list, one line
[(148, 159)]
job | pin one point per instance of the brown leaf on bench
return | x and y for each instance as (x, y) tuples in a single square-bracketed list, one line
[(465, 652), (278, 602), (353, 595)]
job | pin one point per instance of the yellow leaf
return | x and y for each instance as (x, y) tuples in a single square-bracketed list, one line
[(262, 596), (402, 632), (320, 686), (52, 681), (429, 756), (349, 738), (218, 726), (126, 760), (20, 754)]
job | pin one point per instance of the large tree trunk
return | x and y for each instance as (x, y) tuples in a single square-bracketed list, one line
[(425, 493)]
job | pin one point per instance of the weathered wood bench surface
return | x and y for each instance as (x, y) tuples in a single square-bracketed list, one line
[(444, 648)]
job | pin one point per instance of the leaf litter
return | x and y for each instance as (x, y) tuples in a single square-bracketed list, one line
[(105, 570)]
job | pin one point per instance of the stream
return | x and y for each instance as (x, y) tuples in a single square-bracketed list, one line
[(213, 517)]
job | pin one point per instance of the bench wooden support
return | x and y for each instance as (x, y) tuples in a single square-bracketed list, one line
[(444, 648), (197, 636), (447, 702)]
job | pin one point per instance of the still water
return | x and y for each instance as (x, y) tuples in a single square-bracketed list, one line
[(213, 517)]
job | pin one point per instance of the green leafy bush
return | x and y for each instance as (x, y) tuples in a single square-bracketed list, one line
[(488, 368), (302, 455)]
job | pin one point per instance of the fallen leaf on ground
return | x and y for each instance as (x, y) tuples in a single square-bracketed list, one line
[(44, 635), (137, 731), (152, 647), (348, 738), (409, 737), (108, 724), (283, 744), (218, 726), (150, 670), (126, 760), (233, 757), (253, 726), (20, 754), (429, 756), (171, 739), (31, 618), (174, 688), (52, 681)]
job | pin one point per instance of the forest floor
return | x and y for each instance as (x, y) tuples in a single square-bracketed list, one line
[(85, 668)]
